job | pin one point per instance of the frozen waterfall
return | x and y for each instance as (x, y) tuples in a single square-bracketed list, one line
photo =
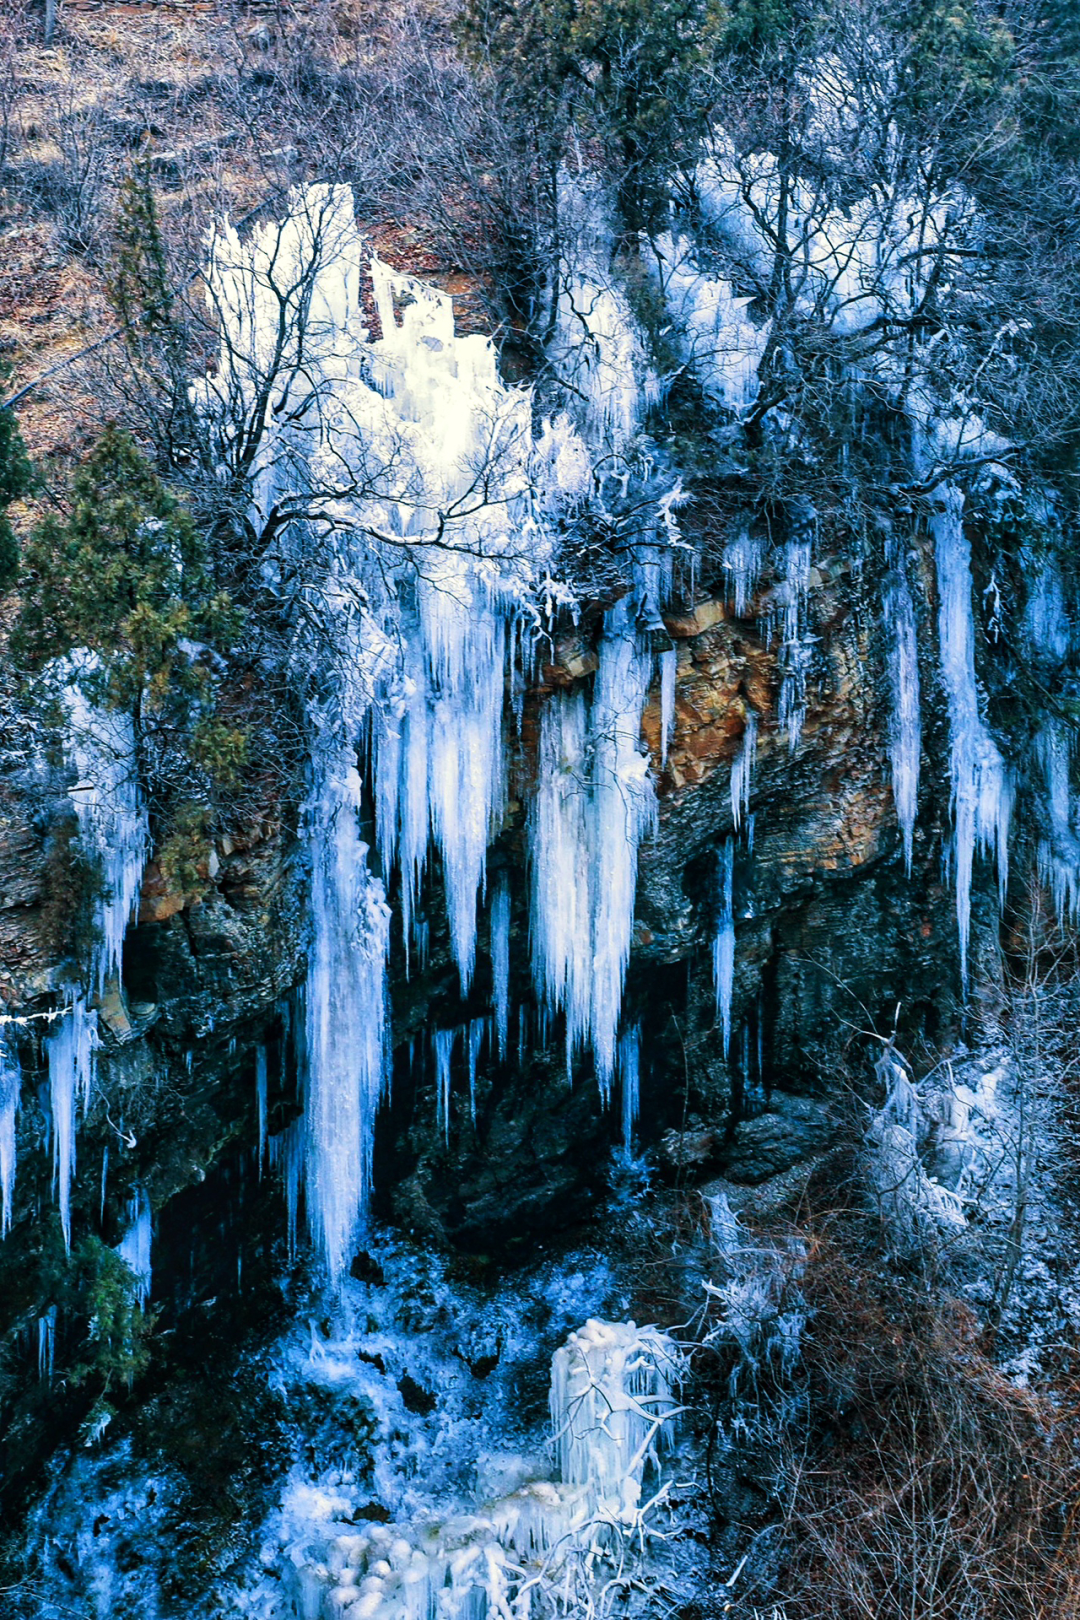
[(981, 791), (443, 506)]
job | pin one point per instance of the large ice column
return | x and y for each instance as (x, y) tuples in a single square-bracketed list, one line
[(624, 805), (796, 644), (630, 1081), (905, 725), (613, 1395), (724, 941), (594, 804), (560, 868), (669, 664), (500, 960), (466, 641), (70, 1054), (345, 1063), (10, 1088), (981, 791)]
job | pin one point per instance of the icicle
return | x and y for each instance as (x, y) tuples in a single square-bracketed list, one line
[(795, 648), (905, 731), (475, 1038), (445, 1040), (10, 1086), (669, 663), (560, 919), (500, 960), (588, 819), (288, 1151), (46, 1345), (1058, 854), (70, 1056), (629, 1078), (104, 1183), (744, 559), (981, 793), (724, 943), (742, 770), (345, 1066), (260, 1102), (134, 1248), (112, 818)]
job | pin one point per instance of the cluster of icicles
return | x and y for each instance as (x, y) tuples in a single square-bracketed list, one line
[(613, 1407), (428, 505)]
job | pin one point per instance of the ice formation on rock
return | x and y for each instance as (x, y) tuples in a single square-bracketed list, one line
[(46, 1345), (475, 1031), (612, 1398), (344, 1052), (597, 350), (796, 644), (1049, 642), (744, 559), (717, 337), (134, 1248), (912, 1204), (445, 1041), (113, 826), (439, 494), (113, 833), (1058, 850), (478, 1532)]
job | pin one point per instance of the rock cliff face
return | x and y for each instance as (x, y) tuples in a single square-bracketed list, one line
[(829, 932)]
